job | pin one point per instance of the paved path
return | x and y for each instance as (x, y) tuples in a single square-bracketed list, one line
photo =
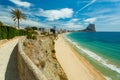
[(8, 62)]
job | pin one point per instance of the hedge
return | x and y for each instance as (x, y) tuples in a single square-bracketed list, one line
[(7, 32)]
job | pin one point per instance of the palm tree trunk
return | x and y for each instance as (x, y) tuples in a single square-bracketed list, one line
[(18, 24)]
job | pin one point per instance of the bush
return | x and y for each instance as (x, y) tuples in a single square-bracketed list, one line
[(62, 77), (29, 35), (24, 44), (3, 32), (44, 33), (8, 32), (28, 28), (34, 37), (11, 32), (30, 32), (22, 32), (34, 28), (53, 43), (53, 51), (42, 64), (1, 24)]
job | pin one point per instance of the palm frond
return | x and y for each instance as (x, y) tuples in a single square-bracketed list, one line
[(16, 14)]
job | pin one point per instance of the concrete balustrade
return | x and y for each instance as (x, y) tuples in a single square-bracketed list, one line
[(15, 64)]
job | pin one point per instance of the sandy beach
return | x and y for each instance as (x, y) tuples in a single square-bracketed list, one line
[(74, 65)]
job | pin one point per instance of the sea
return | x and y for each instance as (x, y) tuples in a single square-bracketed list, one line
[(101, 49)]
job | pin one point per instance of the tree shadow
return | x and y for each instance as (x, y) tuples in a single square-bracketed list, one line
[(12, 70)]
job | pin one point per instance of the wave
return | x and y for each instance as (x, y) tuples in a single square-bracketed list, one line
[(107, 78), (108, 48), (95, 56)]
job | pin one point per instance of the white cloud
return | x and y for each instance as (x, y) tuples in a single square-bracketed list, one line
[(90, 20), (7, 20), (109, 1), (111, 19), (73, 25), (52, 15), (74, 20), (33, 23), (114, 0), (21, 3), (90, 3), (98, 11)]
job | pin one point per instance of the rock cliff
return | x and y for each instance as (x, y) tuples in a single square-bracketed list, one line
[(90, 28), (42, 54)]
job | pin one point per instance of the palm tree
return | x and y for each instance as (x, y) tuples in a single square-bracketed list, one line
[(17, 15)]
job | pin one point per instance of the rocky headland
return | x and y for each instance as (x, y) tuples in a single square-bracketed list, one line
[(90, 28)]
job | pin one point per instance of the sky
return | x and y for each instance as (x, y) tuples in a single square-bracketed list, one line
[(66, 14)]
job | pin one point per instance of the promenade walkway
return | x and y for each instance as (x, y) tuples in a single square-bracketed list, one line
[(8, 61)]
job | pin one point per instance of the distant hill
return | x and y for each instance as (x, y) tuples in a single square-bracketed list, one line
[(90, 28)]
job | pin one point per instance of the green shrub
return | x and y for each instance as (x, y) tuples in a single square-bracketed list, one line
[(24, 44), (28, 28), (44, 33), (4, 32), (8, 32), (34, 37), (42, 63), (53, 43), (53, 51), (23, 32), (1, 24), (11, 32), (34, 28), (29, 35), (62, 77)]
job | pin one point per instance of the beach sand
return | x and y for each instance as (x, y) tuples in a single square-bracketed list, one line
[(74, 65)]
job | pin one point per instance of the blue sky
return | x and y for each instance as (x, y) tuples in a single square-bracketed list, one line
[(70, 14)]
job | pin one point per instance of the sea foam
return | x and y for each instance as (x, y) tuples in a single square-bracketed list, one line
[(107, 78), (95, 56)]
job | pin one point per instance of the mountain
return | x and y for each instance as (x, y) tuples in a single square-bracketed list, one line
[(90, 28)]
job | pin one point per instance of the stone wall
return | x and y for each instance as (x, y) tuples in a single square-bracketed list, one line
[(27, 70)]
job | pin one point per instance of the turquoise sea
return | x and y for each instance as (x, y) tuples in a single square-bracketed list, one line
[(101, 49)]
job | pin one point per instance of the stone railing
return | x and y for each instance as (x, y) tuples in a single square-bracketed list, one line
[(27, 69)]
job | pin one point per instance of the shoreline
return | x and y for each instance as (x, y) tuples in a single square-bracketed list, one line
[(81, 68), (85, 62)]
